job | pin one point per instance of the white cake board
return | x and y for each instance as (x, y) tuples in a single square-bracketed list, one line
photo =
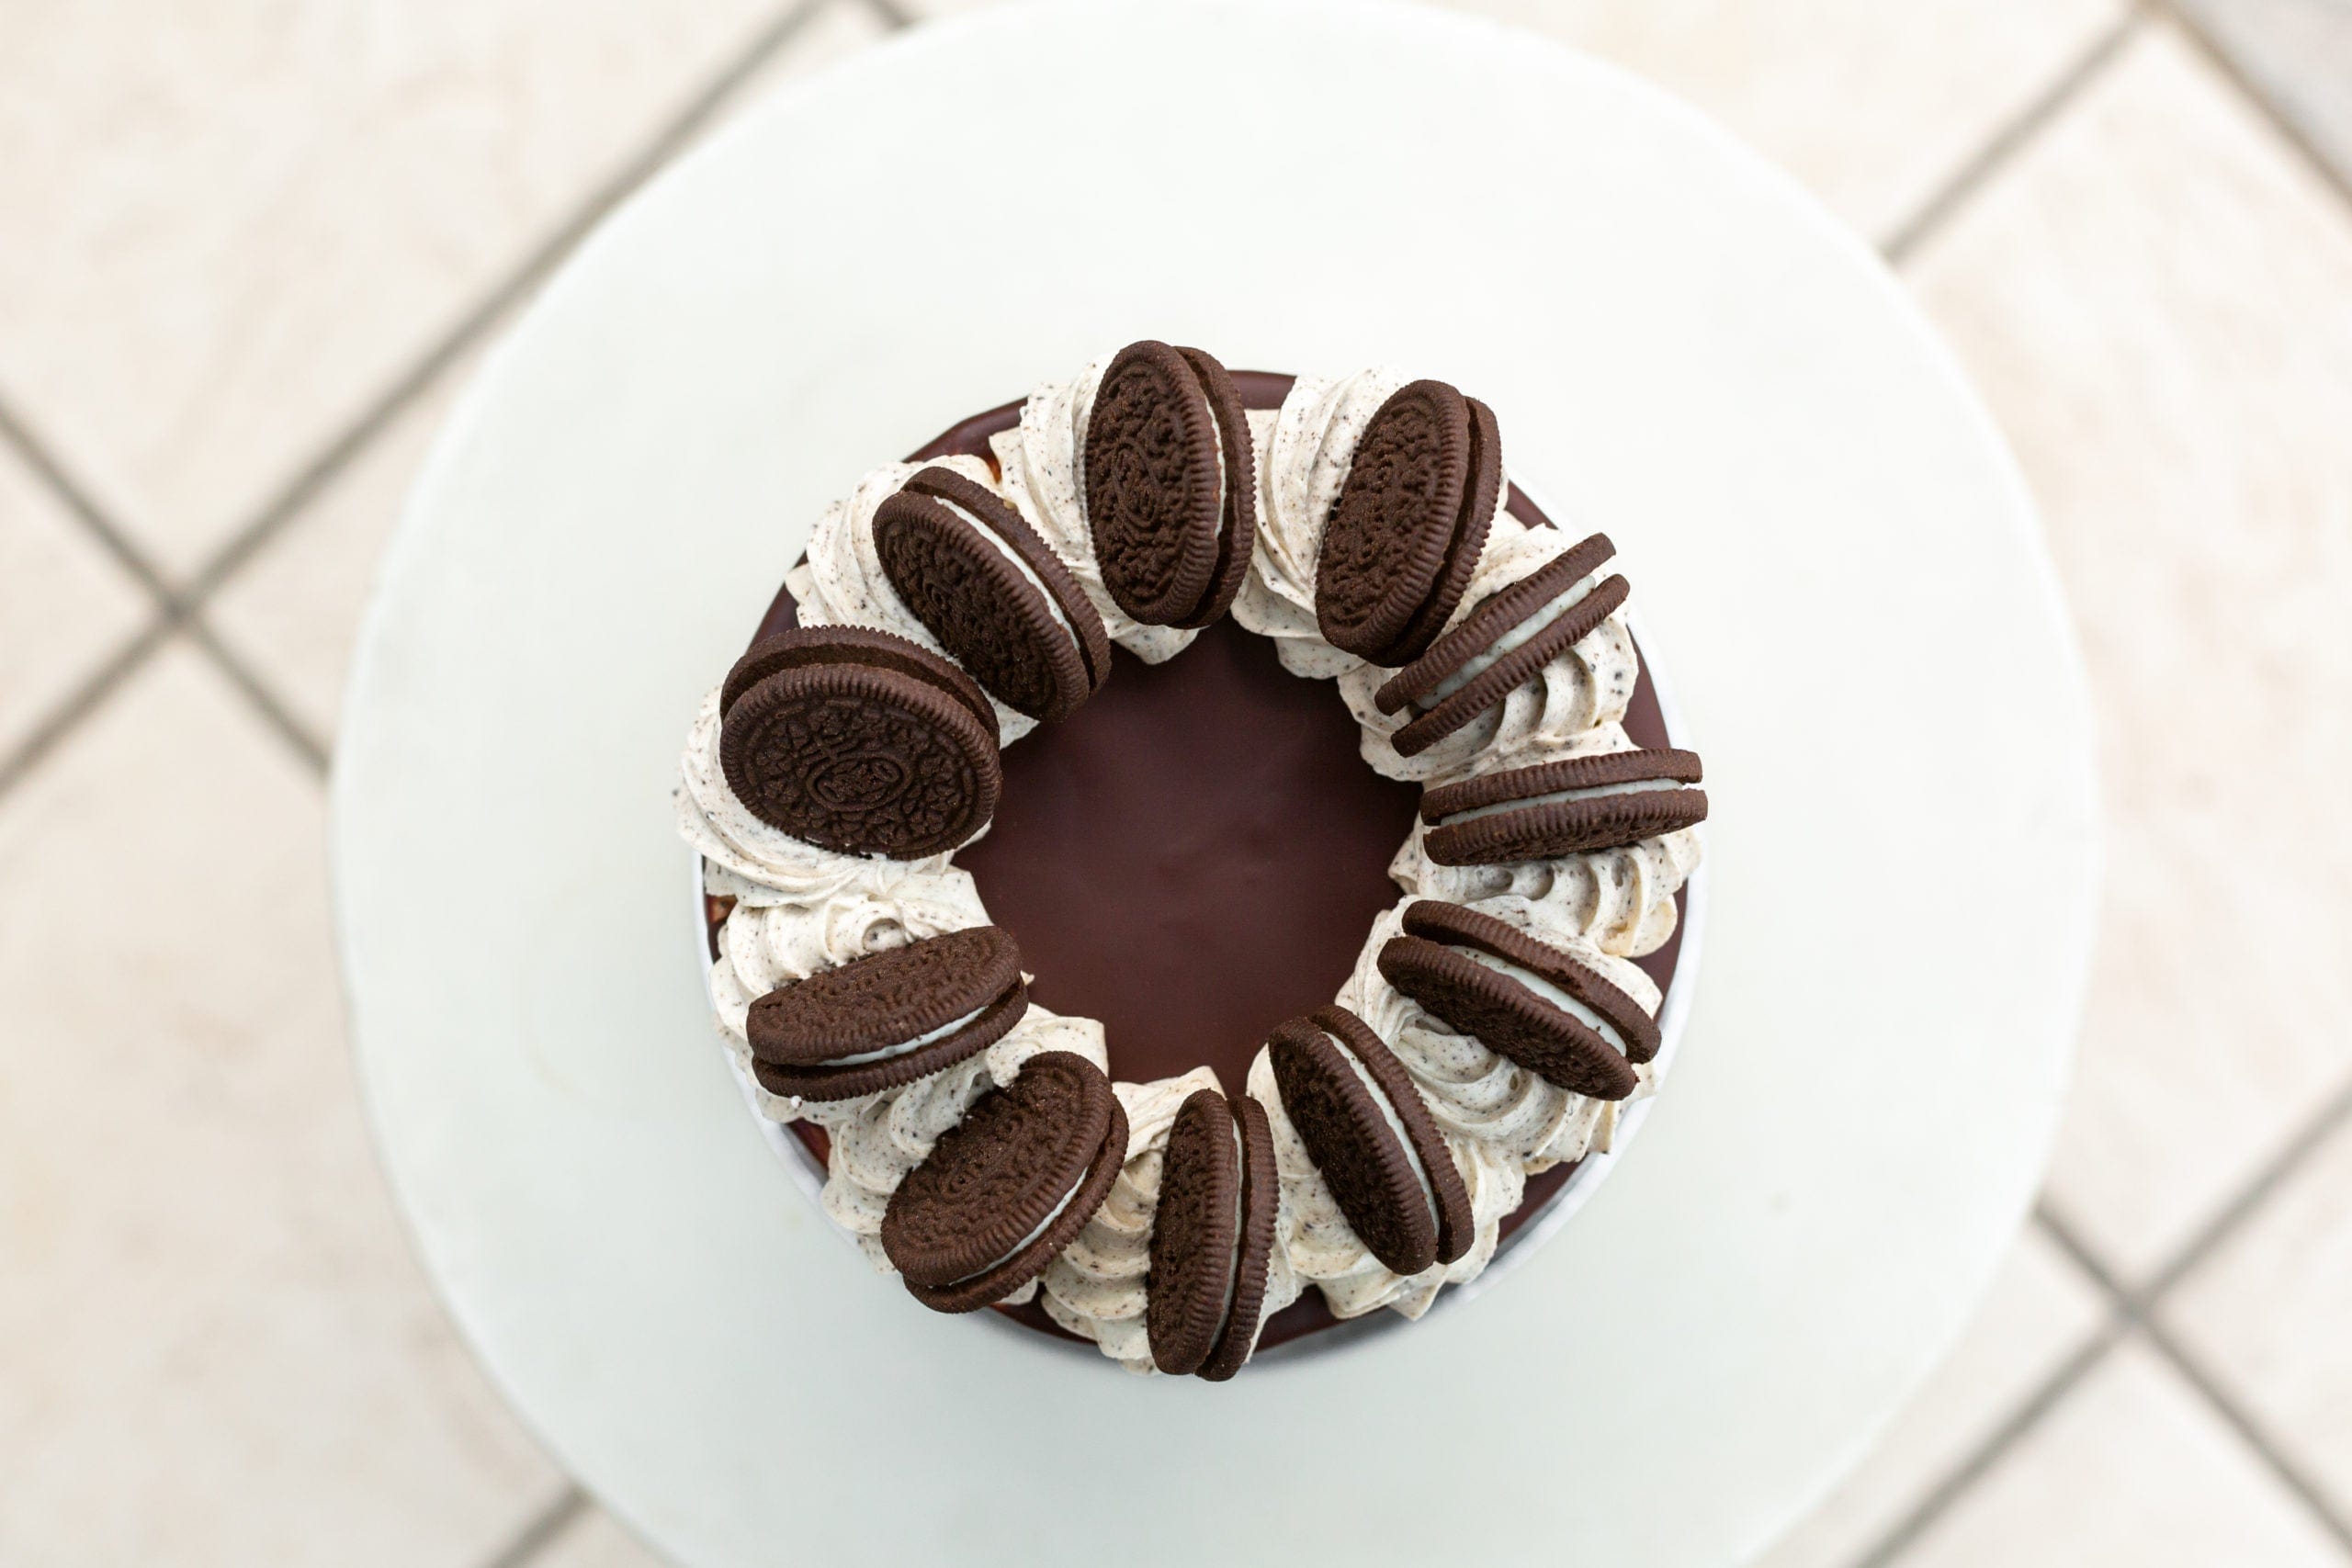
[(1821, 525)]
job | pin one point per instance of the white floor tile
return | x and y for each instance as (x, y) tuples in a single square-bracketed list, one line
[(64, 604), (230, 225), (2041, 1309), (294, 611), (1873, 106), (2270, 1310), (215, 1348), (2133, 1470), (596, 1539), (2153, 300), (2298, 53)]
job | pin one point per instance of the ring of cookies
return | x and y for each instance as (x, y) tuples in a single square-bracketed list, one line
[(1494, 1022)]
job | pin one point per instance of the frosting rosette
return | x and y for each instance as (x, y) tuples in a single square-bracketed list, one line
[(842, 583), (1305, 451), (1475, 1093), (878, 1138), (1620, 899), (1586, 686)]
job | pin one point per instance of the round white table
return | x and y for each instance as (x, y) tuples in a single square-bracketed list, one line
[(1825, 534)]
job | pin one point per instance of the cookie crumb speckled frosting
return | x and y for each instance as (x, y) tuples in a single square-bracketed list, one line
[(1496, 1023)]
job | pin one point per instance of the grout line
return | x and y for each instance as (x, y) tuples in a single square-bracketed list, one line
[(2011, 138), (2288, 129), (1962, 1477), (2139, 1305), (266, 704), (541, 1528), (86, 510), (2061, 1232), (66, 715), (2131, 1310), (550, 254), (2252, 1432), (2289, 1158), (175, 611)]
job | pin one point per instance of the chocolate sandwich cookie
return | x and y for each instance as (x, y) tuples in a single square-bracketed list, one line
[(1261, 1200), (1212, 1237), (1009, 1186), (859, 741), (992, 594), (1412, 516), (1523, 999), (1503, 642), (1171, 485), (888, 1018), (1367, 1129), (1571, 807)]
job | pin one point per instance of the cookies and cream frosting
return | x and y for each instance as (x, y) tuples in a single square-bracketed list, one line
[(1477, 1095), (1305, 450), (1620, 900), (1588, 686), (799, 909), (842, 582), (1095, 1288)]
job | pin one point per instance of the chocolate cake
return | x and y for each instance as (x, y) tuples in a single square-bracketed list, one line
[(1190, 853)]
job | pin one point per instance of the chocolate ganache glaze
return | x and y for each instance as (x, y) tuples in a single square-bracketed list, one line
[(1196, 853)]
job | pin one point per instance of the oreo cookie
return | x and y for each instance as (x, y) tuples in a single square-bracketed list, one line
[(1571, 807), (1367, 1129), (859, 741), (1405, 535), (993, 594), (1009, 1186), (1211, 1237), (888, 1018), (1170, 484), (1505, 641), (1525, 1000)]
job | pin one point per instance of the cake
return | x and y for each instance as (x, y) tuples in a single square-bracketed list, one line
[(1116, 976)]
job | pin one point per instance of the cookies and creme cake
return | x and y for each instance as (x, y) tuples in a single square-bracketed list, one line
[(1194, 858)]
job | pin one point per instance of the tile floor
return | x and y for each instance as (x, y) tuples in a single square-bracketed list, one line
[(251, 250)]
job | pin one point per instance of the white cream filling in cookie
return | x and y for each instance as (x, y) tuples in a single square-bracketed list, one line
[(1224, 483), (1043, 1226), (1553, 994), (1511, 640), (1240, 1228), (883, 1054), (1029, 573)]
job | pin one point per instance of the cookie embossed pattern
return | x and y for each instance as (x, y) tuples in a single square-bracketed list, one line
[(1312, 1128)]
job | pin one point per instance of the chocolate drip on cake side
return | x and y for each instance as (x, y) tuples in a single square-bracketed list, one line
[(1151, 856)]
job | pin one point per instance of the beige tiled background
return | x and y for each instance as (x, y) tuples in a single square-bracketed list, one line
[(248, 250)]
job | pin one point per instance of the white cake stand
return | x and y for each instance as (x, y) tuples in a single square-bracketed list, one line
[(1822, 527)]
